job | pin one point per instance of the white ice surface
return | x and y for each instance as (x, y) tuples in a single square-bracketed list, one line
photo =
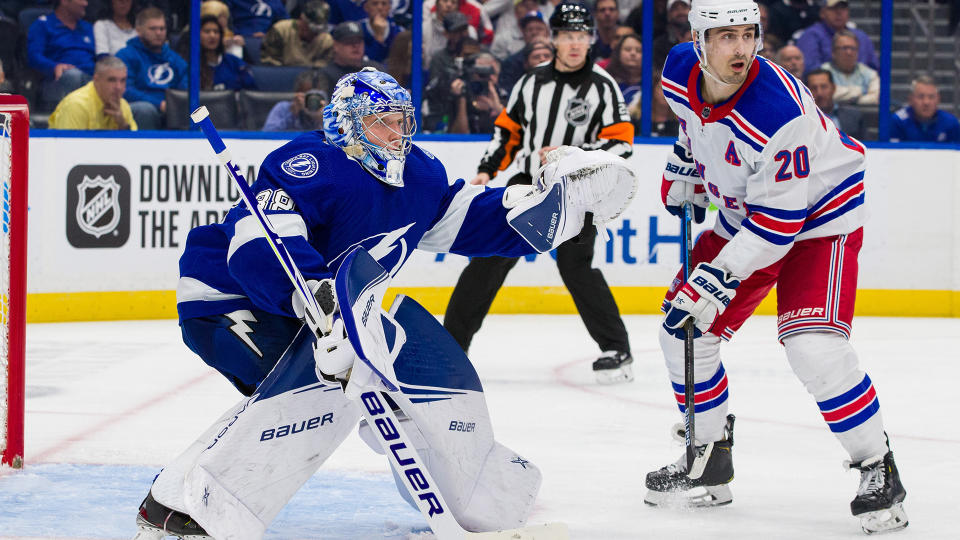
[(109, 403)]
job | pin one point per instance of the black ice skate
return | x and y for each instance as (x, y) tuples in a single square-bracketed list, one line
[(879, 501), (613, 367), (705, 484), (155, 522)]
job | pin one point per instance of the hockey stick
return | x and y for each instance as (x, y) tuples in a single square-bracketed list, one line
[(375, 406), (689, 432)]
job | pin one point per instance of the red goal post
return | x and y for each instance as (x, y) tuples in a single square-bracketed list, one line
[(14, 135)]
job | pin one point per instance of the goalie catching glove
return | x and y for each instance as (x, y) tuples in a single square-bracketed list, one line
[(681, 183), (572, 182), (704, 297)]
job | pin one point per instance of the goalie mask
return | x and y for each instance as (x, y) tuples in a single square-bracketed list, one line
[(707, 14), (371, 117)]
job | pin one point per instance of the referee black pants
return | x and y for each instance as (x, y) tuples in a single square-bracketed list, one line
[(483, 277)]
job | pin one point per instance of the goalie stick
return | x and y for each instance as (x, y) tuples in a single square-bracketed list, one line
[(375, 406), (689, 431)]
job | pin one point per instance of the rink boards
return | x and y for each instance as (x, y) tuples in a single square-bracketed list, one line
[(108, 219)]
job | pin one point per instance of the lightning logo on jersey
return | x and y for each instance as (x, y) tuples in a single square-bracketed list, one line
[(242, 329)]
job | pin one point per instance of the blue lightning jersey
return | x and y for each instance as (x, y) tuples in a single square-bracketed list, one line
[(322, 204)]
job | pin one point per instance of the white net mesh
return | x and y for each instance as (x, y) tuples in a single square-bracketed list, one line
[(5, 178)]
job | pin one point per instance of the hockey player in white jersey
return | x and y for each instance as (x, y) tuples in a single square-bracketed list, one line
[(360, 186), (790, 192)]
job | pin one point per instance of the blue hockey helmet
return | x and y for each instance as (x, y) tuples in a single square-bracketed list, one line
[(371, 117)]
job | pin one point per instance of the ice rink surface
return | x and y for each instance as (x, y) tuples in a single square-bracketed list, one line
[(109, 403)]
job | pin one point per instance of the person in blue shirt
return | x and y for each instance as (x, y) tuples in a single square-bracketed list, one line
[(921, 120), (220, 71), (379, 29), (60, 45), (254, 17), (152, 67)]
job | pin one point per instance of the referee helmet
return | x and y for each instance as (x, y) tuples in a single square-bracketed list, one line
[(571, 17)]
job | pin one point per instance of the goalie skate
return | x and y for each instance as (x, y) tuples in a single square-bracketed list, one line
[(613, 367), (705, 485), (155, 522), (879, 500)]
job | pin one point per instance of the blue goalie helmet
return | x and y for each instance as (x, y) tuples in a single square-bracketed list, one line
[(371, 117)]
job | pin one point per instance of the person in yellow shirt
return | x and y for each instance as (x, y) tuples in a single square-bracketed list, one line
[(99, 104)]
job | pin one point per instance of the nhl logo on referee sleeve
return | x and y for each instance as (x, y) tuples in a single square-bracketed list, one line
[(578, 111), (302, 165)]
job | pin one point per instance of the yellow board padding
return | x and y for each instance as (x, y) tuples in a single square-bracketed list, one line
[(133, 305)]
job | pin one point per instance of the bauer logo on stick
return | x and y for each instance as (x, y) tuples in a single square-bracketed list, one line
[(98, 206)]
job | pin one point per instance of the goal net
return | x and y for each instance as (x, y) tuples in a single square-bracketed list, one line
[(14, 131)]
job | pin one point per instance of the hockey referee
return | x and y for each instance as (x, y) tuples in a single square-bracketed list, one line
[(569, 101)]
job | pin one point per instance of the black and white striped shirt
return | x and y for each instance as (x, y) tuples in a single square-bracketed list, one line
[(551, 108)]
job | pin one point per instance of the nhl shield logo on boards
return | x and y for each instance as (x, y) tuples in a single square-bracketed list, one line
[(302, 165), (98, 206), (578, 111)]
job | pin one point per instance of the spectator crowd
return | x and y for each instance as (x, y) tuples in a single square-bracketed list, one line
[(123, 64)]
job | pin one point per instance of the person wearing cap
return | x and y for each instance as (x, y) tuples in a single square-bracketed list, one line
[(434, 37), (456, 31), (300, 42), (569, 101), (305, 111), (379, 30), (508, 37), (607, 14), (678, 31), (447, 73), (348, 53), (816, 42), (254, 17)]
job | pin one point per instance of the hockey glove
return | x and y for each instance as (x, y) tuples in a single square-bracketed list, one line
[(333, 354), (681, 183), (704, 297), (571, 183), (323, 291)]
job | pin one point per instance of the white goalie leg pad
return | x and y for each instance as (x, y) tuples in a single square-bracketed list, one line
[(259, 459), (167, 489), (707, 366), (828, 367), (573, 182), (499, 497), (486, 485)]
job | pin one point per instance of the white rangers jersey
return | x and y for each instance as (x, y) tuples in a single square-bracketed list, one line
[(778, 169)]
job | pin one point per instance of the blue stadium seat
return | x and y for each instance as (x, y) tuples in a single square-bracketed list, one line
[(276, 78), (256, 106), (29, 15), (222, 105), (251, 49)]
